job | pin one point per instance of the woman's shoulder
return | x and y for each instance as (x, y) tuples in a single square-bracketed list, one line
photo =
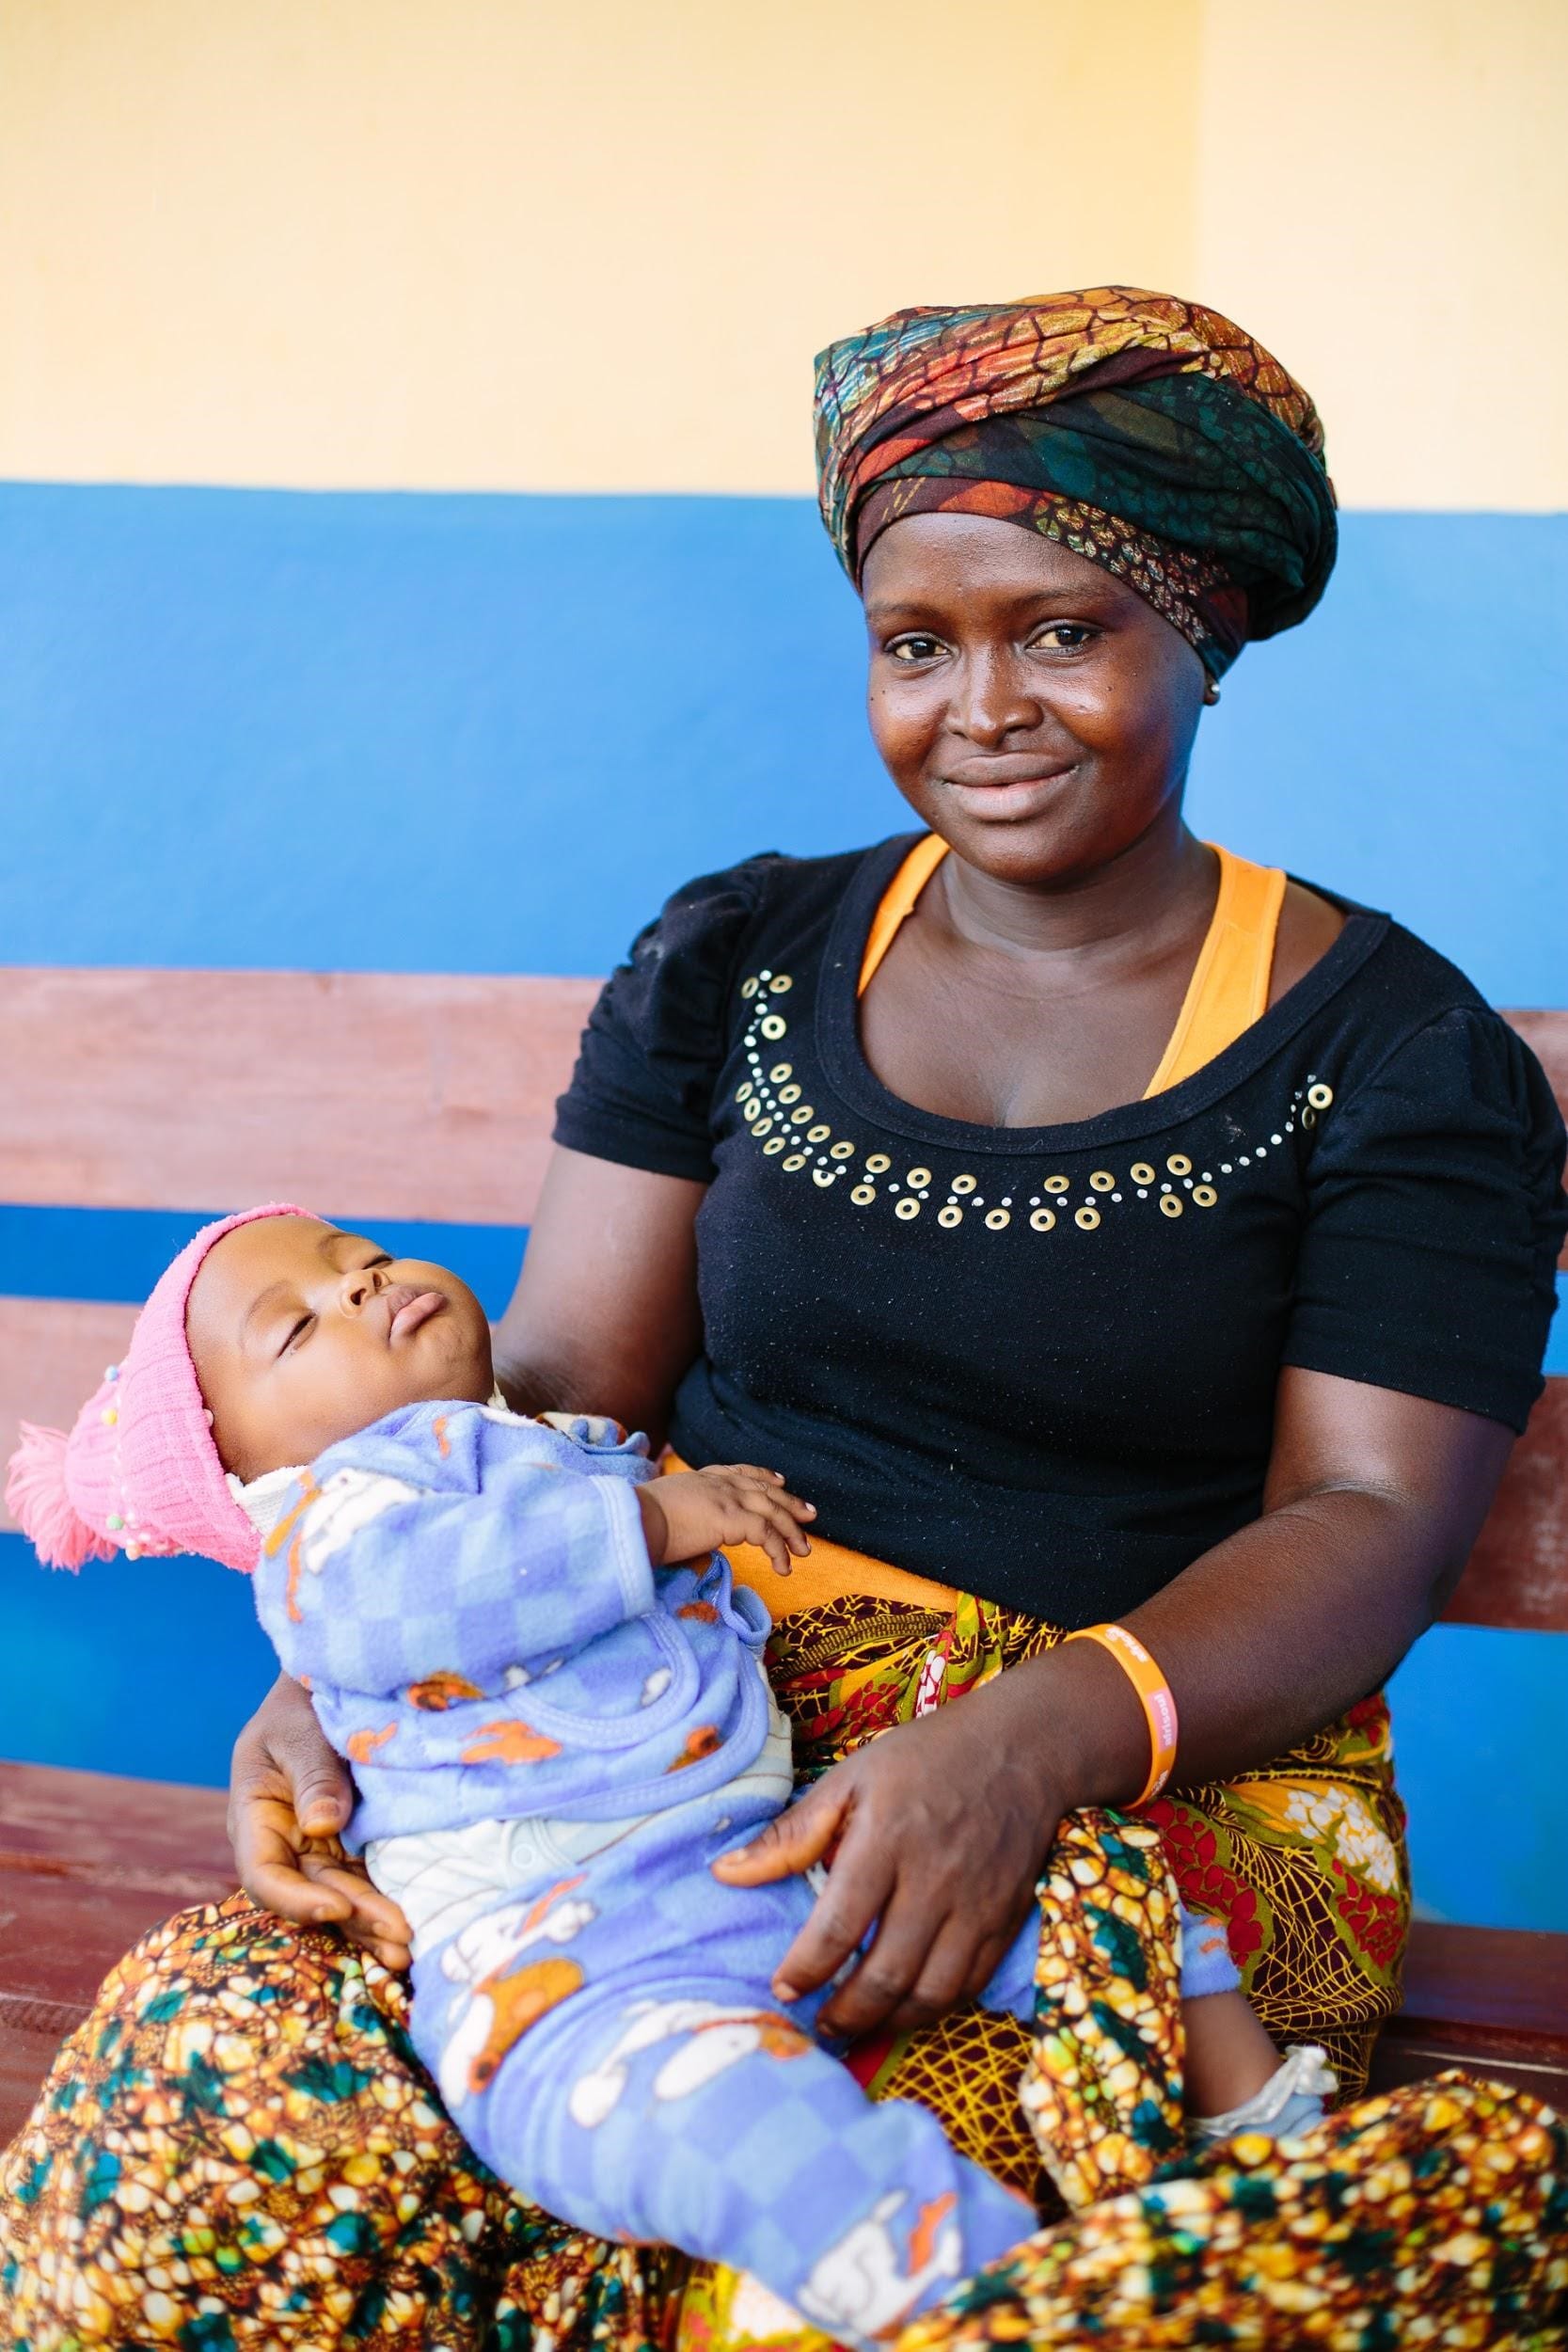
[(1393, 1025), (1310, 923), (642, 1088), (1412, 1026), (1434, 1184), (1391, 979), (770, 880), (769, 901)]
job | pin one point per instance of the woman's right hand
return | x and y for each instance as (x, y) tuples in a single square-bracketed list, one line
[(289, 1800)]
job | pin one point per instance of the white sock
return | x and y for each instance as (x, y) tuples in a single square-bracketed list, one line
[(1291, 2102)]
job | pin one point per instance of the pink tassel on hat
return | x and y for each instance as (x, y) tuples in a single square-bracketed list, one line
[(37, 1499)]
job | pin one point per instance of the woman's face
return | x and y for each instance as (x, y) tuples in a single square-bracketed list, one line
[(1030, 708)]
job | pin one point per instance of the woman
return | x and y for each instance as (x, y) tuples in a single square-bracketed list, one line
[(1095, 1229)]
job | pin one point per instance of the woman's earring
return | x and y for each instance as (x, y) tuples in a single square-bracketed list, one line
[(1210, 694)]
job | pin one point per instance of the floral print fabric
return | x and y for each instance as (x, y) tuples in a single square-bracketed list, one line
[(1304, 1861)]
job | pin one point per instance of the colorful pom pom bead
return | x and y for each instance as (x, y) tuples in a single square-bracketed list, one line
[(109, 1416), (114, 1522), (133, 1552), (111, 1371)]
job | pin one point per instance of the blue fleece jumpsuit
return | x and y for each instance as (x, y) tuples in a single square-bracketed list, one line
[(551, 1741)]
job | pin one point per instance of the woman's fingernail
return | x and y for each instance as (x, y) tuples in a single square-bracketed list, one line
[(784, 1989)]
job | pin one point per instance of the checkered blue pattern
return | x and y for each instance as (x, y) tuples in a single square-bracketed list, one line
[(609, 2044), (470, 1598)]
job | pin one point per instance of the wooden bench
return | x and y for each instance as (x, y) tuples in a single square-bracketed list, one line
[(376, 1097)]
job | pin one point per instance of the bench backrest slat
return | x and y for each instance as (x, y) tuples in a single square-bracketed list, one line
[(370, 1094)]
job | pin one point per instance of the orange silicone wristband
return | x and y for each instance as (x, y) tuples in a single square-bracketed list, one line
[(1154, 1697)]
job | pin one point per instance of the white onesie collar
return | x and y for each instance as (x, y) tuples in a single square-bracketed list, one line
[(264, 1498)]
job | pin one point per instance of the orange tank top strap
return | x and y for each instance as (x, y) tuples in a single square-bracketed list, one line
[(829, 1572), (1230, 986), (898, 903)]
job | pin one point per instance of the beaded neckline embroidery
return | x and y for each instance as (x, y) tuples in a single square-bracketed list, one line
[(792, 1135)]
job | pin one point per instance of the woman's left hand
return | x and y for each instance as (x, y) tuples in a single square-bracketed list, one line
[(937, 1831)]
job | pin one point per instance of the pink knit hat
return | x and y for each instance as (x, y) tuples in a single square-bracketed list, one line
[(139, 1471)]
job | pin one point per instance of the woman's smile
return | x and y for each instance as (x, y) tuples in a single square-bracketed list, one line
[(1006, 787)]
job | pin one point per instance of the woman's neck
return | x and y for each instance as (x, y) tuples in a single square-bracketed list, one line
[(1136, 907)]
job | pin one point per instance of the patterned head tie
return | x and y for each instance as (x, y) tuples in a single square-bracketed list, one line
[(1145, 433)]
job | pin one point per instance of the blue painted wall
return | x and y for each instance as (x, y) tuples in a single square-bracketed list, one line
[(487, 734), (483, 734)]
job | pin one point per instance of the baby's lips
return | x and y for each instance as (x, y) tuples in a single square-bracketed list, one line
[(409, 1310)]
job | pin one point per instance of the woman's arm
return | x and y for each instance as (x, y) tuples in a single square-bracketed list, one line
[(1372, 1503), (1372, 1507), (605, 1320), (605, 1316)]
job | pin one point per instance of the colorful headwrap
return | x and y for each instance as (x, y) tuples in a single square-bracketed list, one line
[(1145, 433)]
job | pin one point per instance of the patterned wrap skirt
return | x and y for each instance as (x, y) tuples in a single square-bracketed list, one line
[(238, 2148)]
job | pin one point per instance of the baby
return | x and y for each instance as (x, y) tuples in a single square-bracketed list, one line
[(528, 1646)]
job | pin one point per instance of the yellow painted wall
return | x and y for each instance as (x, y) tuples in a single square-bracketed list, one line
[(1383, 197), (594, 244)]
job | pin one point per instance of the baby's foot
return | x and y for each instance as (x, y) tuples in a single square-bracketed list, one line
[(1290, 2103)]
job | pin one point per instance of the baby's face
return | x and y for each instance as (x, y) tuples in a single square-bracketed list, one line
[(301, 1334)]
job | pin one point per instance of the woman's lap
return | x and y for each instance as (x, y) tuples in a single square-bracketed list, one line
[(1305, 1859), (242, 2134), (239, 2148), (240, 2139)]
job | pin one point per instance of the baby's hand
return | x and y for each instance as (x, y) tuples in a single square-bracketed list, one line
[(588, 1428), (691, 1512)]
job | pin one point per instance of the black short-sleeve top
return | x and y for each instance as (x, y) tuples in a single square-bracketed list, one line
[(1040, 1363)]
